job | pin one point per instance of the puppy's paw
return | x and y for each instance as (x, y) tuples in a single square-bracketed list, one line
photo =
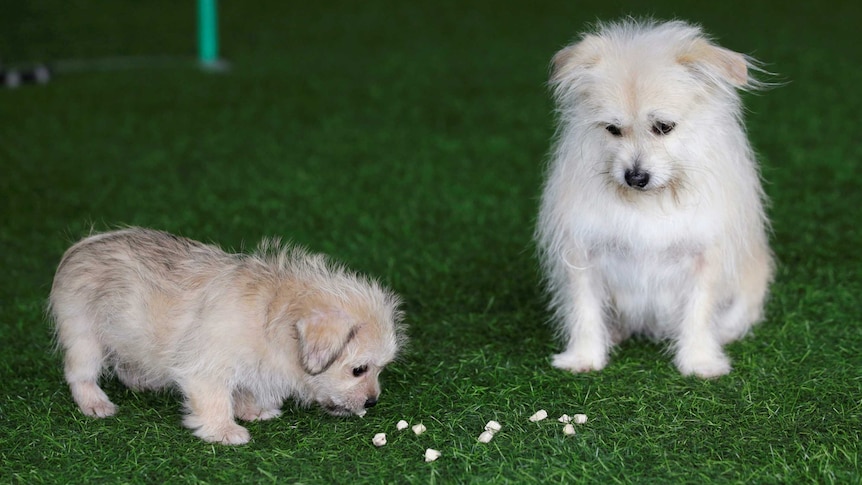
[(91, 400), (703, 366), (257, 414), (226, 434), (580, 361), (246, 408)]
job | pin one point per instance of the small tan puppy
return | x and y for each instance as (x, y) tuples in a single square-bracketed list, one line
[(652, 218), (237, 334)]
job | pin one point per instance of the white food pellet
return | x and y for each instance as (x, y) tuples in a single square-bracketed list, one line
[(565, 419), (568, 429), (379, 439), (486, 437), (579, 418), (418, 429), (493, 426), (540, 415), (361, 413), (431, 455), (401, 425)]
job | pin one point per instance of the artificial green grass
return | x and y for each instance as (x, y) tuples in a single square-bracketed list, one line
[(408, 139)]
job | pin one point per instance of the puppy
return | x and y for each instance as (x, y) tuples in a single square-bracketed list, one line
[(237, 334), (651, 220)]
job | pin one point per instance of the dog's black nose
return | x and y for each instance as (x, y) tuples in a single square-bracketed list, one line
[(370, 402), (636, 178)]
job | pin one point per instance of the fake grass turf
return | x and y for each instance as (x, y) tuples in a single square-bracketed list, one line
[(408, 139)]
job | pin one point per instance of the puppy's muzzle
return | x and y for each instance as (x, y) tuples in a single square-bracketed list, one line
[(371, 402), (636, 178)]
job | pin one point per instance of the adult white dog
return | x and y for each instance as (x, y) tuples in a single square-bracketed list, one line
[(652, 218)]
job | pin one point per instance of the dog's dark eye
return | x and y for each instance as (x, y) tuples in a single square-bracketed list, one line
[(663, 127), (614, 130), (358, 371)]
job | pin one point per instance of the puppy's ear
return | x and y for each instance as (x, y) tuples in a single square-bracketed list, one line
[(716, 62), (576, 56), (322, 337)]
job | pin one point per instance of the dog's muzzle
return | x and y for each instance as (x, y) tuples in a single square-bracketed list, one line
[(342, 410)]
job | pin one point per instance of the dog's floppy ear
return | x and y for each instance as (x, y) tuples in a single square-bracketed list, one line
[(716, 62), (576, 56), (322, 337)]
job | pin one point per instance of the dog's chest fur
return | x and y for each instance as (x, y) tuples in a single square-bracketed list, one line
[(647, 264), (645, 291)]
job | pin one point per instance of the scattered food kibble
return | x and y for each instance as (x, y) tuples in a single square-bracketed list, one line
[(540, 415), (493, 426), (431, 455)]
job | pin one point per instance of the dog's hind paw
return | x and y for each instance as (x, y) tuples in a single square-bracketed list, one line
[(578, 362)]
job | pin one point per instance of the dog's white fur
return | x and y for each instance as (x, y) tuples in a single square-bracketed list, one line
[(681, 253), (237, 334)]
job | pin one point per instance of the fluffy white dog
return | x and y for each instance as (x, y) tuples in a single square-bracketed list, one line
[(237, 334), (652, 218)]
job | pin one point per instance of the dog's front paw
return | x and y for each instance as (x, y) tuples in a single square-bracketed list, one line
[(246, 408), (227, 434), (703, 366), (580, 361), (91, 400), (257, 414), (102, 409)]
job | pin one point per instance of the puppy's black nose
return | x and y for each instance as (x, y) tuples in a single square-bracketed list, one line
[(370, 402), (636, 178)]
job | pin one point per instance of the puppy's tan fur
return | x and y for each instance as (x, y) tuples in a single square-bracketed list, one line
[(237, 334)]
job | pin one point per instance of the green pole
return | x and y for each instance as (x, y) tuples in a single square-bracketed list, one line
[(208, 32)]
